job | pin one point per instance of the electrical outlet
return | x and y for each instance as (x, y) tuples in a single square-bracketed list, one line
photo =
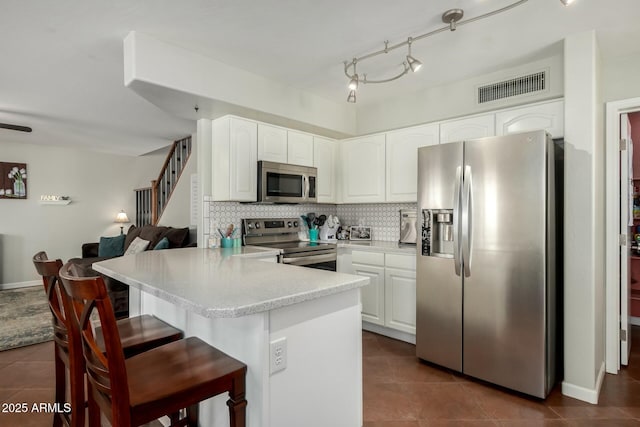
[(278, 355)]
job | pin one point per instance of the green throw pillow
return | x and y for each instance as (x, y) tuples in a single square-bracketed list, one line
[(162, 244), (111, 246)]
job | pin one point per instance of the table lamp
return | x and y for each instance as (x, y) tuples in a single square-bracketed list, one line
[(122, 218)]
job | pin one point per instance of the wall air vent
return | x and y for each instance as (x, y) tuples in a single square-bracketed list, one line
[(531, 83)]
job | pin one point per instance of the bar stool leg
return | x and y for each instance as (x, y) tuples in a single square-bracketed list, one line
[(60, 372), (193, 413), (94, 411), (237, 403)]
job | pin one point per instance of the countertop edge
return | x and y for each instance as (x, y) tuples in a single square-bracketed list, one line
[(378, 246), (242, 310)]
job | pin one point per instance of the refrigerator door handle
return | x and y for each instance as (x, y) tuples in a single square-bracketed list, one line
[(467, 220), (457, 261)]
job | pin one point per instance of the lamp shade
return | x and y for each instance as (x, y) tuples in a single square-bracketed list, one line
[(122, 217)]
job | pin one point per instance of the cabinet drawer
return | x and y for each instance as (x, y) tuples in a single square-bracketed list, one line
[(371, 258), (407, 262)]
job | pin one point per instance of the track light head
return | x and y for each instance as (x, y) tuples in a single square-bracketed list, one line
[(414, 64), (566, 2), (352, 96), (353, 83)]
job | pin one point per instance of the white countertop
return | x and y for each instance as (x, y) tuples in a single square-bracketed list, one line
[(225, 282), (378, 246)]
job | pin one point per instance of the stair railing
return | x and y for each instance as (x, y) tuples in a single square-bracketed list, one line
[(151, 202)]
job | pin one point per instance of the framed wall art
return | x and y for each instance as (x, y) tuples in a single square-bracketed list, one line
[(359, 232), (13, 180)]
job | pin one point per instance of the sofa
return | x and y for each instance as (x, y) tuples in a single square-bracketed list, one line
[(118, 291)]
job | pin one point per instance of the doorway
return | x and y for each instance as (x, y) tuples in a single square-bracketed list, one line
[(620, 230)]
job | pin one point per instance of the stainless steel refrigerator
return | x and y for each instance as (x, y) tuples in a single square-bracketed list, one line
[(486, 259)]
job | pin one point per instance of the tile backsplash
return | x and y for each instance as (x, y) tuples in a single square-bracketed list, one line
[(221, 214), (383, 218)]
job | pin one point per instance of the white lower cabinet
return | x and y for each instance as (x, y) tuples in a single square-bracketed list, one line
[(372, 295), (390, 299), (400, 292), (399, 299)]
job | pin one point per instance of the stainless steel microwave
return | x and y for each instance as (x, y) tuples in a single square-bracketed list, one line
[(284, 183)]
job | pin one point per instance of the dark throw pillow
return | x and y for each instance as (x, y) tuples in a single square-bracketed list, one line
[(152, 233), (111, 246), (177, 236), (131, 235), (162, 244)]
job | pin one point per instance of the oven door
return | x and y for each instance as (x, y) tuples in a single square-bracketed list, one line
[(322, 261)]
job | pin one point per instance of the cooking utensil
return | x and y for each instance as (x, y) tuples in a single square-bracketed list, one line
[(322, 219), (311, 216)]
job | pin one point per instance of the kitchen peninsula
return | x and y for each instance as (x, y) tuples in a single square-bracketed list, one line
[(244, 306)]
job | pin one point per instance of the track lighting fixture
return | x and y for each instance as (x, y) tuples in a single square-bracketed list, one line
[(453, 19), (414, 64), (566, 2), (353, 83)]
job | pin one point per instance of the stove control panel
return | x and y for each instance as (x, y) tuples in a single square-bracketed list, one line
[(265, 226)]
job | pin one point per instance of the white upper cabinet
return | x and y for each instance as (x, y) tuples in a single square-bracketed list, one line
[(299, 148), (272, 143), (234, 155), (548, 116), (402, 160), (324, 159), (363, 169), (469, 128)]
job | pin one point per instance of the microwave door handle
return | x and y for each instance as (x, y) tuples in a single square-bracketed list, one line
[(305, 181)]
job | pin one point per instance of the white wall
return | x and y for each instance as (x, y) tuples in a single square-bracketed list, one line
[(169, 75), (584, 220), (455, 99), (100, 185), (621, 78)]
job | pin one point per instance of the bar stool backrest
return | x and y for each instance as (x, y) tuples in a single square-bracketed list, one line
[(67, 340), (106, 372)]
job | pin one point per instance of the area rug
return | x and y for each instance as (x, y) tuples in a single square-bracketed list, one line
[(25, 318)]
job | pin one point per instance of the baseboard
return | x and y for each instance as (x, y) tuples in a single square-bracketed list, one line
[(635, 321), (582, 393), (17, 285), (388, 332)]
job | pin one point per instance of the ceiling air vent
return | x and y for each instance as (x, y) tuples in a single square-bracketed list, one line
[(513, 87)]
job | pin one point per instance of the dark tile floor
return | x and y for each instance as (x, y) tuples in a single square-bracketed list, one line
[(399, 391)]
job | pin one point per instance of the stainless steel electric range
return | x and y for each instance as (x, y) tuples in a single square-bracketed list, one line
[(282, 233)]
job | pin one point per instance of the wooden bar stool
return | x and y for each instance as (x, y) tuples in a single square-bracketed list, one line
[(138, 334), (159, 382)]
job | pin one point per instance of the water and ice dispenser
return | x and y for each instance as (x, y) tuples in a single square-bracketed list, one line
[(437, 233)]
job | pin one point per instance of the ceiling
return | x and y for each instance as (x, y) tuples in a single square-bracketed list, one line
[(62, 64)]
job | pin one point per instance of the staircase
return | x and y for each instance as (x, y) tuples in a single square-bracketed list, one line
[(151, 201)]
